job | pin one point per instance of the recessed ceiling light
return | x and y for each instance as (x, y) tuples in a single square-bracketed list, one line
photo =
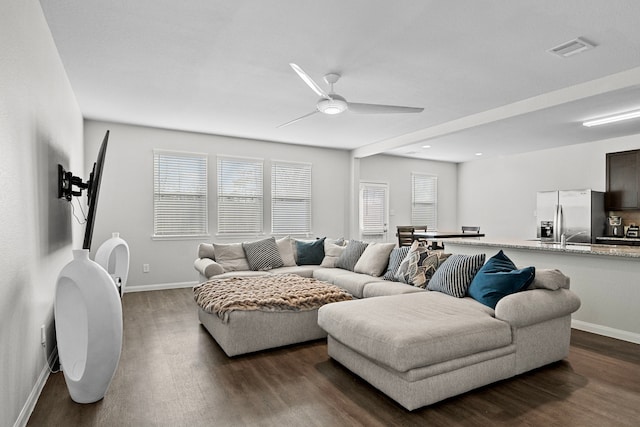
[(426, 146), (571, 47), (478, 154), (612, 119)]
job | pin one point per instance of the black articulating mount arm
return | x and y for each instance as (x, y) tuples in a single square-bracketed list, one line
[(66, 182)]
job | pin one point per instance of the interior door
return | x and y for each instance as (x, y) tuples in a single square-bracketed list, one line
[(374, 210)]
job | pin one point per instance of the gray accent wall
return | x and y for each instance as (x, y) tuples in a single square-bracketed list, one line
[(40, 126)]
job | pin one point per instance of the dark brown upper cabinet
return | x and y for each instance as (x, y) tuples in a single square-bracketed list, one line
[(623, 180)]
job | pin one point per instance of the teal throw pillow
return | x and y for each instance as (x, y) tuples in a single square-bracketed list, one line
[(310, 253), (498, 278)]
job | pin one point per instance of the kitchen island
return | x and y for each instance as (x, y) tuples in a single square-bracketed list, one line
[(605, 277)]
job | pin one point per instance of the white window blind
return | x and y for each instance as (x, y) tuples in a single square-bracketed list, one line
[(424, 206), (179, 194), (373, 208), (290, 198), (239, 195)]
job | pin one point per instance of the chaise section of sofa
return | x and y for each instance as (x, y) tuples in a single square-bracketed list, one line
[(425, 347)]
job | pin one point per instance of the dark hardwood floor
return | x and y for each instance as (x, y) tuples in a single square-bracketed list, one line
[(172, 373)]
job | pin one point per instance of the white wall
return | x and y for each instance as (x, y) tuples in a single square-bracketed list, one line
[(126, 197), (40, 126), (396, 171), (499, 194)]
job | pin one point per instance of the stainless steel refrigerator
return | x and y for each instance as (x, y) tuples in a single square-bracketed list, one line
[(578, 214)]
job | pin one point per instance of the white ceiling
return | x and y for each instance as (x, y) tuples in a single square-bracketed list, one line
[(480, 69)]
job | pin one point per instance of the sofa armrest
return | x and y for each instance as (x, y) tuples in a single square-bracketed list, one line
[(208, 267), (535, 306)]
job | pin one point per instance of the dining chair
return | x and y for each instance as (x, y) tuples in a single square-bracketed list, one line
[(405, 235)]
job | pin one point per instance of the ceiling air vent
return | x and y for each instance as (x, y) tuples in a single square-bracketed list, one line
[(571, 47)]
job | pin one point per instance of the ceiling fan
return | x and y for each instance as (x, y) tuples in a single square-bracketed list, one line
[(331, 103)]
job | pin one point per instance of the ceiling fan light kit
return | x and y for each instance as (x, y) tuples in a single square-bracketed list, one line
[(335, 105), (331, 103)]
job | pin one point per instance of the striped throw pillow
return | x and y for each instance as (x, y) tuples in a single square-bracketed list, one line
[(263, 254), (396, 257), (351, 255), (454, 276)]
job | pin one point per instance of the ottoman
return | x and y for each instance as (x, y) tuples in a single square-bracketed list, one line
[(248, 314)]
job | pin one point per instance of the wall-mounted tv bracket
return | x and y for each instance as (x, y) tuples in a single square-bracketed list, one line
[(66, 181)]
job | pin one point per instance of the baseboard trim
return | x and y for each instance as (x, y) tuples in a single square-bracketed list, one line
[(30, 404), (159, 287), (606, 331)]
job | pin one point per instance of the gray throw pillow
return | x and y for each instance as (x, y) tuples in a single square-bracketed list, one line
[(263, 254), (454, 276), (351, 255)]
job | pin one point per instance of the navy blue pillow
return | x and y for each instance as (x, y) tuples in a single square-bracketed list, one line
[(310, 253), (498, 278)]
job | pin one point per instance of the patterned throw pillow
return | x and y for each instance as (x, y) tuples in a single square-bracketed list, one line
[(263, 254), (351, 255), (410, 264), (419, 265), (396, 257), (455, 274)]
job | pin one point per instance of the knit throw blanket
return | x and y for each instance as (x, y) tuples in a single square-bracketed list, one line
[(278, 292)]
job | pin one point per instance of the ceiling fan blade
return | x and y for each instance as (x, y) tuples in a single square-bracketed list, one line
[(309, 81), (295, 120), (358, 108)]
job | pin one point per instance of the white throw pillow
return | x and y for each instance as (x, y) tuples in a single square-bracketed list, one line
[(331, 254), (285, 247)]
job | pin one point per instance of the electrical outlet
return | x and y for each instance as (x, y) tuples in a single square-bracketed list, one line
[(145, 268), (43, 335)]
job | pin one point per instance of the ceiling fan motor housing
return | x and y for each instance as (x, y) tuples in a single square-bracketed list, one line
[(335, 105)]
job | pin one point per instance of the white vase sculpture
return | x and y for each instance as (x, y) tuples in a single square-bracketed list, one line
[(113, 256), (88, 315)]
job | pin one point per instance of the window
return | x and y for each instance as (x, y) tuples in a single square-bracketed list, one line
[(290, 198), (239, 195), (179, 194), (424, 197), (373, 208)]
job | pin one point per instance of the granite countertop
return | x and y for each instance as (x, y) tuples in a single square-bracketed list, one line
[(536, 245)]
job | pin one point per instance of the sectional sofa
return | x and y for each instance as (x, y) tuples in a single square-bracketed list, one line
[(425, 343)]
